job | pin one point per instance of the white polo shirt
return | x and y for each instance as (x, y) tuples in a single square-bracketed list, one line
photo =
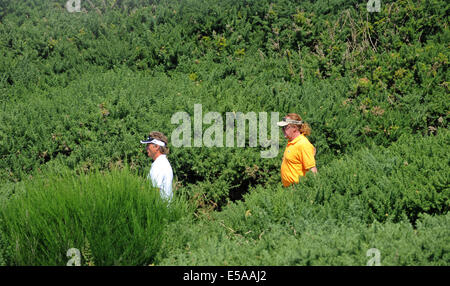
[(161, 176)]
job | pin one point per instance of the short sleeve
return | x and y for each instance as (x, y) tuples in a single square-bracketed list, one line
[(307, 155)]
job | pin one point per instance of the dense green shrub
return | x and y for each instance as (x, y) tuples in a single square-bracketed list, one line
[(310, 243), (357, 77), (354, 203), (113, 218), (79, 90)]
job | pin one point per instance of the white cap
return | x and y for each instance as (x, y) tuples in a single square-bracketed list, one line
[(155, 141), (285, 121)]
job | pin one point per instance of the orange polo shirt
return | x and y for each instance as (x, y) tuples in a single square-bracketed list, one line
[(297, 159)]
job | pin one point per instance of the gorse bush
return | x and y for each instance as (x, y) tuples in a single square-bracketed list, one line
[(307, 243), (376, 198), (79, 90), (116, 218), (358, 78)]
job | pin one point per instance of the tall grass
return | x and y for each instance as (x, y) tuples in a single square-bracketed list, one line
[(113, 218)]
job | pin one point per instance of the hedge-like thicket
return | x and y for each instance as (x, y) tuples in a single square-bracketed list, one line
[(79, 90), (395, 200)]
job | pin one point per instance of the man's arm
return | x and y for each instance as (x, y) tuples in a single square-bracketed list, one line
[(314, 169)]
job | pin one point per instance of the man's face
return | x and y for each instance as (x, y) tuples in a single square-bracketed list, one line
[(288, 132), (151, 150)]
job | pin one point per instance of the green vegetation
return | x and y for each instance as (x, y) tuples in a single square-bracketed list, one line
[(376, 198), (113, 219), (79, 90)]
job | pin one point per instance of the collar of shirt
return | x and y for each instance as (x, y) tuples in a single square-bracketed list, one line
[(160, 157), (295, 140)]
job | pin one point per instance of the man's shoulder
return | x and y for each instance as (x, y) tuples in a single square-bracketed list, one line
[(162, 159), (302, 140), (162, 162)]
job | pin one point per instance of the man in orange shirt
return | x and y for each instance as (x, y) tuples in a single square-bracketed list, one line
[(299, 155)]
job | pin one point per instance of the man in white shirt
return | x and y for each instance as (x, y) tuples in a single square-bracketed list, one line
[(161, 174)]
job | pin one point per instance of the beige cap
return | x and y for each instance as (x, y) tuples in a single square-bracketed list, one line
[(285, 121)]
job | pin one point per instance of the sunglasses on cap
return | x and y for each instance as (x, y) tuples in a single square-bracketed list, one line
[(155, 141)]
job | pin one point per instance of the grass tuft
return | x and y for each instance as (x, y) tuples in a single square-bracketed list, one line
[(113, 218)]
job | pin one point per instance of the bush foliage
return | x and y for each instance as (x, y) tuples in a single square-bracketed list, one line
[(112, 219), (79, 90), (375, 198)]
